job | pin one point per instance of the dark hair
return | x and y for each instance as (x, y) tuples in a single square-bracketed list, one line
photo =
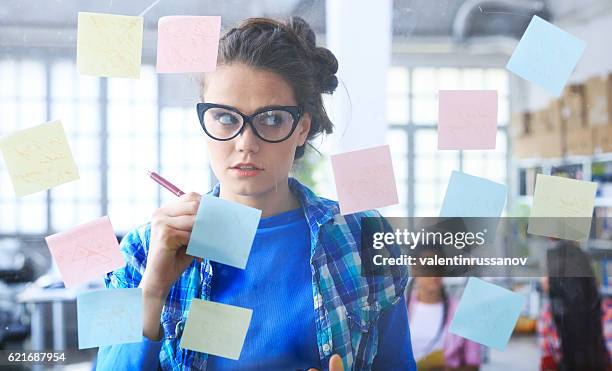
[(576, 309), (289, 49)]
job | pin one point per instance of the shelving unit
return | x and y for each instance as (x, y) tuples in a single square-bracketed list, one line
[(597, 168)]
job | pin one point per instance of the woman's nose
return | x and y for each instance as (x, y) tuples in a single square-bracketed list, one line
[(247, 141)]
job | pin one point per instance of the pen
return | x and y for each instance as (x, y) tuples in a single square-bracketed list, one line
[(165, 183)]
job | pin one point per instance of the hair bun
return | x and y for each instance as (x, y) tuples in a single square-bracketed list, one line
[(324, 62), (326, 66)]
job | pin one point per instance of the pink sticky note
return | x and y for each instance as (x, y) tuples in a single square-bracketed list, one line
[(467, 119), (86, 252), (364, 179), (187, 43)]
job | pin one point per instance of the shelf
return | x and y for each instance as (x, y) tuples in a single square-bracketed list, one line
[(599, 201)]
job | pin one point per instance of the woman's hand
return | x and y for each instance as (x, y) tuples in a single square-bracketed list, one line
[(335, 364), (170, 232)]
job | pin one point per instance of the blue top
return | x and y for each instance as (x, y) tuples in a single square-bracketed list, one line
[(280, 306), (276, 284), (355, 314)]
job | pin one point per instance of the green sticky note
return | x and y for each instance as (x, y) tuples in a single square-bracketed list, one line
[(562, 208), (109, 45), (215, 328)]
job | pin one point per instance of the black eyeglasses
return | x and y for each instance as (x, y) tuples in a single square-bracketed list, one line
[(272, 124)]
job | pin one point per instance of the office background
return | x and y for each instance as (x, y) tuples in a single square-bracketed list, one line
[(119, 128)]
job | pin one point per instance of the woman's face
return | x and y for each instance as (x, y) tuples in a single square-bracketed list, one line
[(249, 89)]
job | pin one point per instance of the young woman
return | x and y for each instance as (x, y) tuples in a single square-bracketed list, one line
[(303, 278), (430, 312), (575, 326)]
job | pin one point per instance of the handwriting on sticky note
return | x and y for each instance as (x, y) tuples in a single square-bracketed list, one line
[(109, 45), (467, 119), (472, 196), (38, 158), (562, 207), (216, 328), (188, 43), (364, 179), (87, 252), (487, 313), (546, 55), (111, 316), (223, 231)]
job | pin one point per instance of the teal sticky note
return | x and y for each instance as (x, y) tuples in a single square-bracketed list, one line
[(487, 313), (223, 231), (111, 316), (472, 196), (546, 55)]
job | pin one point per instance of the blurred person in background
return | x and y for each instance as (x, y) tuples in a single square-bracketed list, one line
[(575, 324)]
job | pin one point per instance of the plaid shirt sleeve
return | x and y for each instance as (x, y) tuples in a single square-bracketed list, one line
[(134, 248)]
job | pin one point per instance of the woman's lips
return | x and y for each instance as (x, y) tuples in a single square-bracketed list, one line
[(246, 172)]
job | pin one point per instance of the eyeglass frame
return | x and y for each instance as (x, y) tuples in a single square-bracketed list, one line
[(294, 111)]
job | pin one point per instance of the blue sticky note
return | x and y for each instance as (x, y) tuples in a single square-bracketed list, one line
[(111, 316), (223, 231), (471, 196), (546, 55), (487, 313)]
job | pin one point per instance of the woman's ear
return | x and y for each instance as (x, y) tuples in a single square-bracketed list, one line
[(304, 128)]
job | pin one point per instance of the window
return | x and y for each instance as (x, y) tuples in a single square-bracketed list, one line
[(422, 171), (23, 94), (117, 130)]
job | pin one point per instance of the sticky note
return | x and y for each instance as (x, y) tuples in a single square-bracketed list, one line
[(487, 313), (562, 207), (215, 328), (546, 55), (364, 179), (223, 231), (38, 158), (472, 196), (467, 119), (187, 43), (109, 316), (86, 252), (109, 45)]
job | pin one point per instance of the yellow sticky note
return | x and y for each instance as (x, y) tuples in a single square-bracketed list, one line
[(562, 207), (215, 328), (38, 158), (109, 45)]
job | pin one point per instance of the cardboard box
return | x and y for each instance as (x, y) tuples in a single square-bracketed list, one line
[(550, 145), (598, 100), (547, 145), (573, 113), (602, 139), (554, 115), (519, 124), (524, 147), (539, 122), (579, 141)]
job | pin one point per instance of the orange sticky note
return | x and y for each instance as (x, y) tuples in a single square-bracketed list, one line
[(364, 179), (86, 252)]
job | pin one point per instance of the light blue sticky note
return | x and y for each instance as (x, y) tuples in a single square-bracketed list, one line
[(471, 196), (487, 313), (223, 231), (107, 317), (546, 55)]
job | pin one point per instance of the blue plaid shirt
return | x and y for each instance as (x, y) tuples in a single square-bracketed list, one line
[(347, 305)]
